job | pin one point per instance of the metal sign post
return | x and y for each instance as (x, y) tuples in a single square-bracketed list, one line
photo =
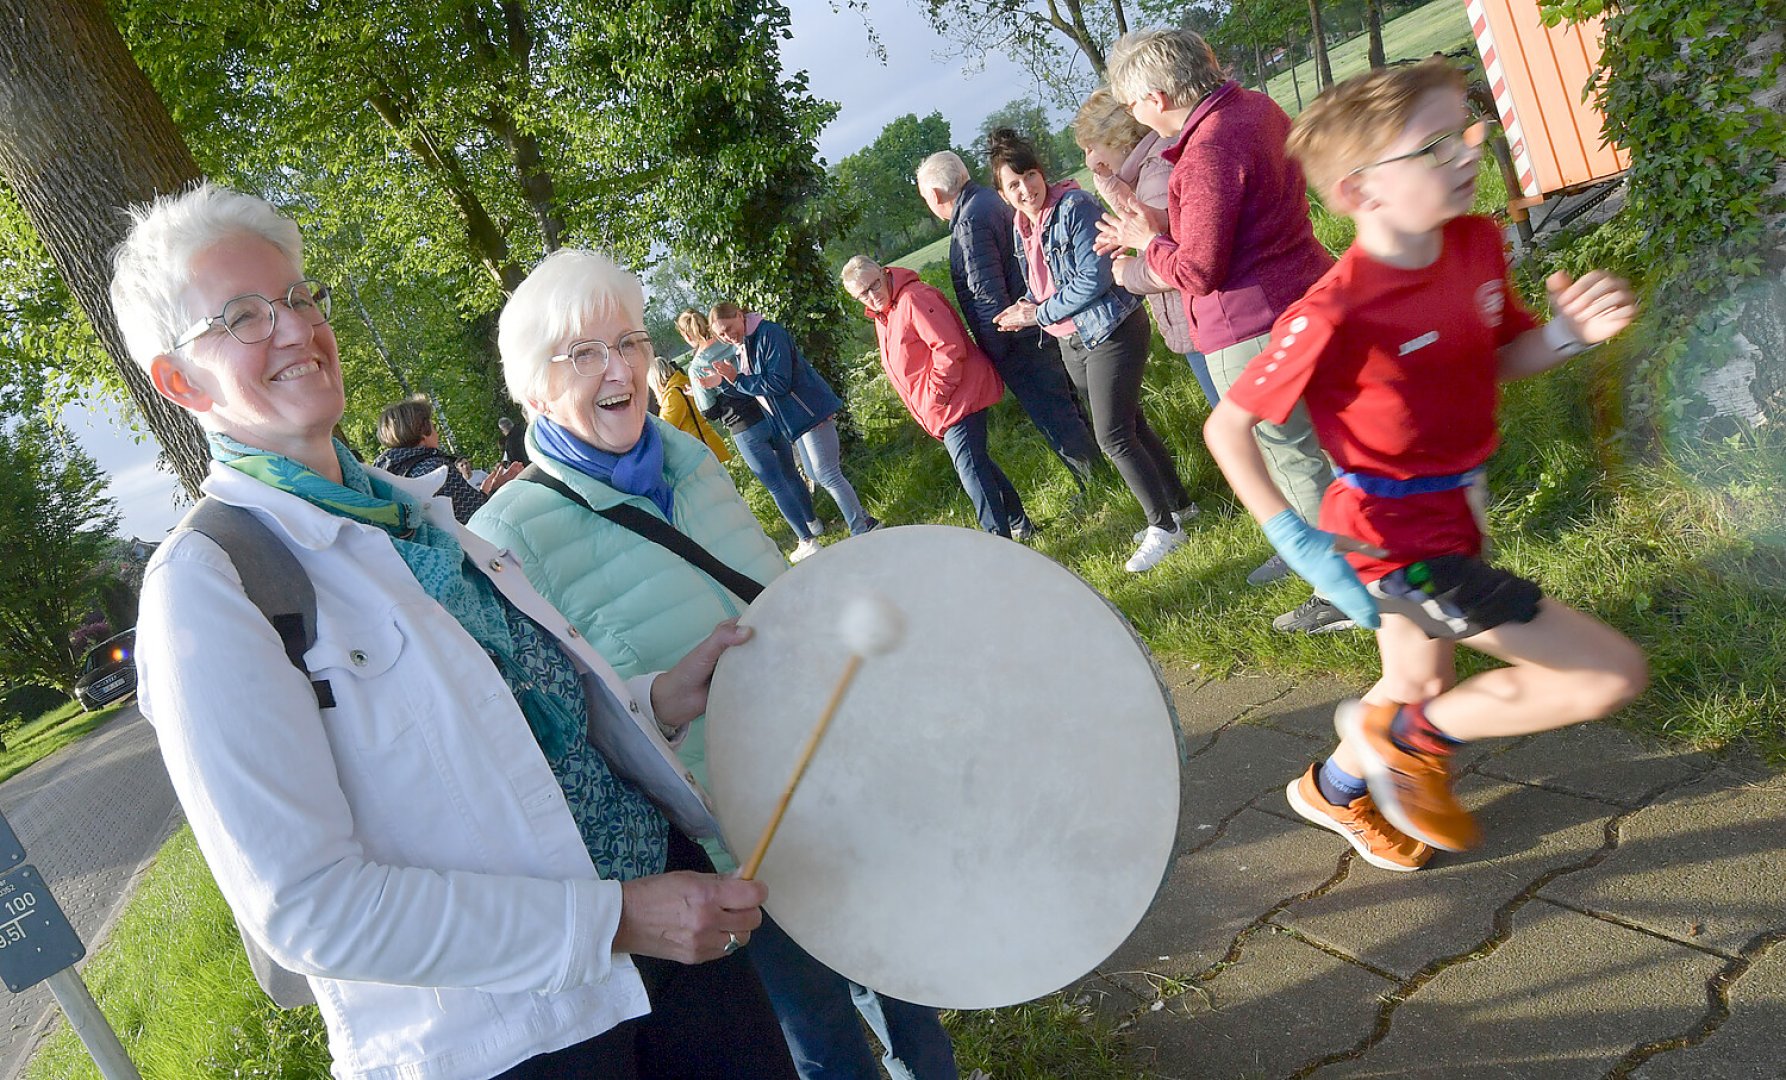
[(37, 944)]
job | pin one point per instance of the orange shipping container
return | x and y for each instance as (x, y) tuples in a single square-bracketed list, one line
[(1537, 74)]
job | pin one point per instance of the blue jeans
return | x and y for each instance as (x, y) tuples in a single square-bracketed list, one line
[(826, 458), (771, 458), (995, 501), (1035, 376), (818, 1009), (1200, 368)]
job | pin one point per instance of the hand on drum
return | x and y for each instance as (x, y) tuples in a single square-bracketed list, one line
[(687, 917), (680, 694)]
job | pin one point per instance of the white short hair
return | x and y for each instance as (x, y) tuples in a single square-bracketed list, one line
[(1178, 63), (152, 266), (569, 287), (860, 268), (943, 171)]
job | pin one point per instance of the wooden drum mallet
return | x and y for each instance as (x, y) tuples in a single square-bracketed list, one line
[(870, 626)]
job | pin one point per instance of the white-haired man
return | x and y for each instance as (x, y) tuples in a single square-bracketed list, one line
[(988, 279)]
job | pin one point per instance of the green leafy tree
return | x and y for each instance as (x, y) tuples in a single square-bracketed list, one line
[(451, 144), (56, 524), (81, 134), (878, 182), (1693, 93), (1049, 38), (1059, 154)]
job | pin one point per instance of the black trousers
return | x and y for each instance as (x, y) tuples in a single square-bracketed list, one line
[(1109, 375), (708, 1021)]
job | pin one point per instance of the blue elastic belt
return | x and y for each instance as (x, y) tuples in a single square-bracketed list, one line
[(1388, 487)]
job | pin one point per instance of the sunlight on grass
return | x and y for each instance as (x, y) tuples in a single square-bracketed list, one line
[(39, 738), (174, 983), (1440, 26)]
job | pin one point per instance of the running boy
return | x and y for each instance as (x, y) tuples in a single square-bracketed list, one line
[(1398, 352)]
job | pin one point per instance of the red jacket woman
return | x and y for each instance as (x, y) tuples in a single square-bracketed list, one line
[(938, 371)]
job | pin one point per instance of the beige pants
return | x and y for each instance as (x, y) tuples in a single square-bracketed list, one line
[(1291, 452)]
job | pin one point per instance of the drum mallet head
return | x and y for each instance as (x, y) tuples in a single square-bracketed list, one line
[(870, 626)]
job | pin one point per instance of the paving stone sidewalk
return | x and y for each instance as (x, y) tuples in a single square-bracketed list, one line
[(1623, 918), (89, 815)]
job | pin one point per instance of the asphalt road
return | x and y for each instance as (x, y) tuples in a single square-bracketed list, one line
[(89, 815)]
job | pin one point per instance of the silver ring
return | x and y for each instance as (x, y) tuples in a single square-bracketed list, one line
[(732, 943)]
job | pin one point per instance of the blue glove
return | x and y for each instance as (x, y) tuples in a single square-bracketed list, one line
[(1309, 551)]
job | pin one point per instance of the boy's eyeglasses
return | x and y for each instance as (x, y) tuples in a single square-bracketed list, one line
[(1440, 150)]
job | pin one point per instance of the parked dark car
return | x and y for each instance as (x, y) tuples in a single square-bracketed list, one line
[(108, 673)]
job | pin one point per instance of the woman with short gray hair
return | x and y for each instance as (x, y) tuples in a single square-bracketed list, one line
[(406, 808)]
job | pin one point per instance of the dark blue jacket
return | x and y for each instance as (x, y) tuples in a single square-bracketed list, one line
[(983, 265), (795, 395)]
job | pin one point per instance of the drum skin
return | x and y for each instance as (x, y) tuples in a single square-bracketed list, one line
[(995, 805)]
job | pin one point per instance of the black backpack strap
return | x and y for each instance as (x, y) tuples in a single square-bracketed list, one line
[(271, 577), (276, 583), (656, 530)]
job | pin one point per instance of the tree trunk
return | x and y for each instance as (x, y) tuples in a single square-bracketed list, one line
[(1373, 10), (1295, 81), (82, 133), (1323, 69), (1259, 72)]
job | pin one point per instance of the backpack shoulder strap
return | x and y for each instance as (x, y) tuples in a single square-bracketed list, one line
[(659, 532), (274, 580), (271, 577)]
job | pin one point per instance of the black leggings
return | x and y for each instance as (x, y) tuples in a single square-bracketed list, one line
[(1109, 375), (708, 1021)]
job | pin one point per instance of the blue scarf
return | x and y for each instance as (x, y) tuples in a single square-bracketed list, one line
[(639, 471)]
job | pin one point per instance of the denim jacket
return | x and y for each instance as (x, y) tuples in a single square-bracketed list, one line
[(788, 387), (1085, 288)]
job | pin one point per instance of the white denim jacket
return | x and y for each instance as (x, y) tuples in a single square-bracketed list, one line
[(409, 848)]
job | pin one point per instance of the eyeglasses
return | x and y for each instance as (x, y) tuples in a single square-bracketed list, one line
[(250, 318), (591, 358), (1441, 149), (861, 293)]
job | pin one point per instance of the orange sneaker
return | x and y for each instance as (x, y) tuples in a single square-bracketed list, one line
[(1412, 789), (1361, 823)]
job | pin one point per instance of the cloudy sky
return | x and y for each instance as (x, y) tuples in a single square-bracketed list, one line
[(922, 73)]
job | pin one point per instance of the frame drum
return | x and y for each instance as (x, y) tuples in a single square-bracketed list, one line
[(995, 805)]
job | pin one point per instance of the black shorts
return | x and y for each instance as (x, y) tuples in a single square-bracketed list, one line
[(1456, 596)]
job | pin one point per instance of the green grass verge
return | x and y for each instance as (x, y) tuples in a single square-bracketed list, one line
[(1440, 26), (176, 986), (39, 738)]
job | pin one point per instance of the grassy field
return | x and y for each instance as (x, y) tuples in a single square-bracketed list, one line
[(39, 738), (1440, 26), (176, 986)]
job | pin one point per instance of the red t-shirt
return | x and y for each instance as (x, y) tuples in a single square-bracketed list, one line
[(1400, 372)]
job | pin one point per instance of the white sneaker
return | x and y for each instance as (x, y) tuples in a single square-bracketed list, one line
[(1179, 517), (1156, 544), (805, 549)]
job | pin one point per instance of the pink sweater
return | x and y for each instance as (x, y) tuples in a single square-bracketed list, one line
[(1241, 248)]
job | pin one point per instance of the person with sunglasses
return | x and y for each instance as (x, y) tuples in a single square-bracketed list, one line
[(411, 813)]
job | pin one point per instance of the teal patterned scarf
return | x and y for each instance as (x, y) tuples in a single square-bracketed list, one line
[(432, 555)]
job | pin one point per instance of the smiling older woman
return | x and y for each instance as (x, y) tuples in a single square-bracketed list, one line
[(471, 888), (574, 353)]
